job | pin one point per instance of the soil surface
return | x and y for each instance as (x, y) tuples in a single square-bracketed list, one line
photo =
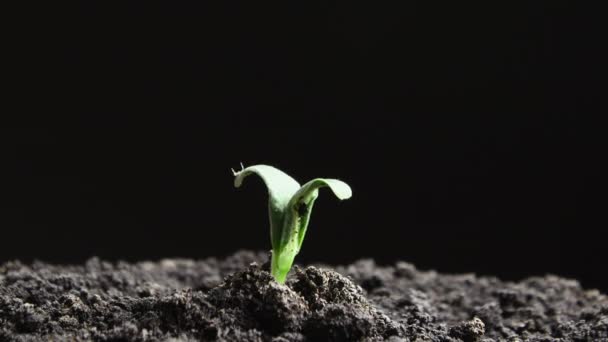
[(236, 299)]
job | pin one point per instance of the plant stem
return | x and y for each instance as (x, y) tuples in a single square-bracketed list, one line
[(280, 264)]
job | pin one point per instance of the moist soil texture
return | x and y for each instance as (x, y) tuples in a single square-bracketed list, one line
[(236, 299)]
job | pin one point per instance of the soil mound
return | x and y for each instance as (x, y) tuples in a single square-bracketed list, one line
[(236, 299)]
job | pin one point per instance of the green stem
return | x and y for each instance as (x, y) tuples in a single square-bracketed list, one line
[(280, 264)]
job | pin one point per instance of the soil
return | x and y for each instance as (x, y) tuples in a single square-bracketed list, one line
[(236, 299)]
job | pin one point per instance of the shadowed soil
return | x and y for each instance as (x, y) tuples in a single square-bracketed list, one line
[(236, 299)]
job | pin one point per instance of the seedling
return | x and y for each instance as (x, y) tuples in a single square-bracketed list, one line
[(289, 208)]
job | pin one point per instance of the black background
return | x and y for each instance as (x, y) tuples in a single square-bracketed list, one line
[(468, 133)]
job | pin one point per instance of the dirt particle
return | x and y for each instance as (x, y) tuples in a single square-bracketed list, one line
[(470, 331)]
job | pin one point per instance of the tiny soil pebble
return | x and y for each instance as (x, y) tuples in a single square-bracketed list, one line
[(236, 299)]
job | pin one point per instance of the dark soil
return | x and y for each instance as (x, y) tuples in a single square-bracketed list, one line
[(235, 299)]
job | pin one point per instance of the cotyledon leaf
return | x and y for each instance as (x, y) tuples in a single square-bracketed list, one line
[(281, 188), (302, 201)]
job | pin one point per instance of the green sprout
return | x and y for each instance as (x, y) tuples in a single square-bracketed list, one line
[(289, 207)]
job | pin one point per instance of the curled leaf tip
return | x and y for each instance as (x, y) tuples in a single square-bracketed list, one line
[(235, 173), (340, 189)]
